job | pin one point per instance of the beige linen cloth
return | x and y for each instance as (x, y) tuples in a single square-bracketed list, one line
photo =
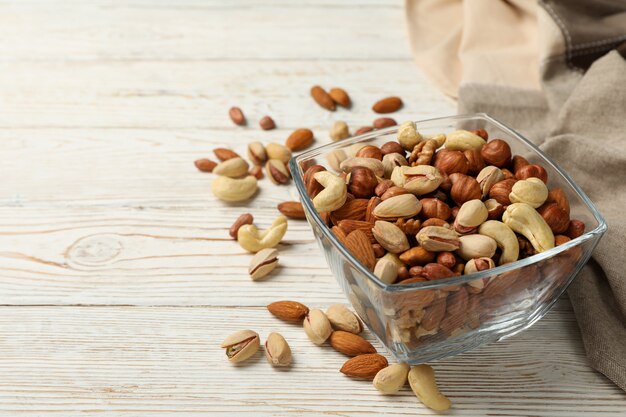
[(554, 71)]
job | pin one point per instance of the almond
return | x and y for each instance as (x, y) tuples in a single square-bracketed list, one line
[(383, 122), (236, 115), (288, 310), (350, 344), (339, 234), (349, 226), (352, 210), (322, 98), (292, 209), (359, 245), (340, 97), (387, 105), (362, 130), (364, 366), (299, 139), (205, 165), (224, 154)]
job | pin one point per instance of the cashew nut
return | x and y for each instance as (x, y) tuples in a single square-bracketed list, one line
[(334, 194), (234, 189), (525, 220), (531, 191), (253, 240), (504, 237), (461, 140), (423, 384)]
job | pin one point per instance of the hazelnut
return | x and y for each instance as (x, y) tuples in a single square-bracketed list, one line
[(392, 192), (464, 188), (576, 228), (481, 132), (434, 208), (518, 162), (370, 151), (313, 187), (500, 191), (496, 152), (475, 160), (451, 162), (392, 147), (416, 271), (494, 209), (556, 195), (362, 182), (382, 187), (555, 217), (446, 259), (560, 239), (528, 171), (403, 273), (435, 222)]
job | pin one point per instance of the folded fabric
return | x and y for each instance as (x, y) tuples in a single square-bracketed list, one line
[(576, 114)]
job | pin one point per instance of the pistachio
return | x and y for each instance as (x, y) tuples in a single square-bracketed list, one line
[(438, 238), (531, 191), (277, 171), (391, 161), (256, 153), (476, 246), (471, 215), (525, 220), (341, 318), (390, 237), (386, 270), (505, 239), (462, 140), (487, 177), (400, 206), (233, 168), (264, 262), (253, 240), (422, 179), (476, 265), (422, 381), (408, 136), (391, 379), (241, 345), (374, 164), (278, 151), (335, 158), (317, 327), (234, 189), (277, 350), (334, 194)]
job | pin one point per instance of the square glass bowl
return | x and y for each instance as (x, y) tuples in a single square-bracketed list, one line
[(515, 296)]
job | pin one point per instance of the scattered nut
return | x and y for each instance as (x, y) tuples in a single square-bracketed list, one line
[(341, 318), (233, 168), (292, 210), (267, 123), (340, 97), (256, 153), (205, 165), (299, 139), (317, 327), (236, 115), (253, 240), (322, 98), (264, 262), (277, 172), (277, 350), (364, 366), (224, 154), (241, 345), (277, 151), (350, 344), (245, 218), (288, 310), (387, 105), (422, 381), (391, 379), (234, 189)]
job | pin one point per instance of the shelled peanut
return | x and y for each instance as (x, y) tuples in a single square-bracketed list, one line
[(425, 208)]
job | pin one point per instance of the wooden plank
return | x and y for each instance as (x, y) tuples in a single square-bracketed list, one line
[(127, 361), (191, 95), (112, 30)]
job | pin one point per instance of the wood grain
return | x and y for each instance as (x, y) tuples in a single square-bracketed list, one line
[(126, 361), (118, 279)]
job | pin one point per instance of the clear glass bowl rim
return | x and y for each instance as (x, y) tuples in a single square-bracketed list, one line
[(308, 203)]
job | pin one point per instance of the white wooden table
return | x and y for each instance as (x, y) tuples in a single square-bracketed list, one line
[(118, 279)]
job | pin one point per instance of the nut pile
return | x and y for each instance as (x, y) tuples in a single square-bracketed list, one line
[(426, 208), (340, 327)]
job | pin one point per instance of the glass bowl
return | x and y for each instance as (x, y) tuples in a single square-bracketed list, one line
[(514, 295)]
